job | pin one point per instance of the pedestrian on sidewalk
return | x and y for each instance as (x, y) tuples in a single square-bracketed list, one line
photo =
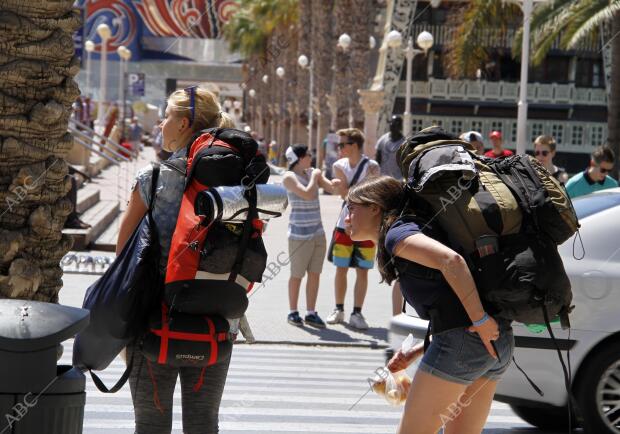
[(386, 149), (498, 150), (595, 177), (387, 146), (306, 237), (135, 135), (460, 366), (344, 253), (544, 150), (152, 385), (475, 139)]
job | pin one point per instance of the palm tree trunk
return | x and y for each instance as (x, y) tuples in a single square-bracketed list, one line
[(323, 55), (303, 76), (343, 68), (37, 66), (364, 12), (613, 105)]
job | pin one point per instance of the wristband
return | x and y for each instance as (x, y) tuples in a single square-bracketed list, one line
[(482, 320)]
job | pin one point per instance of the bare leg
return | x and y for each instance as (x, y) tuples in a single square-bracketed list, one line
[(361, 286), (428, 404), (293, 292), (312, 290), (341, 284), (474, 406), (397, 299)]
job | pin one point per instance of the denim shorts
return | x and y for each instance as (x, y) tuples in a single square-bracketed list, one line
[(459, 356)]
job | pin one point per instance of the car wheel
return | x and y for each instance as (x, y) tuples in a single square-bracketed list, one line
[(547, 418), (599, 392)]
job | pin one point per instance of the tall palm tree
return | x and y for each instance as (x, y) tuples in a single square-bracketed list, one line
[(570, 21), (261, 31), (37, 66)]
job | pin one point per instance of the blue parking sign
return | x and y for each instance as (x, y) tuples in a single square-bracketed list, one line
[(135, 81)]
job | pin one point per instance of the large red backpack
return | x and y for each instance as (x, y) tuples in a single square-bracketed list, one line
[(212, 265)]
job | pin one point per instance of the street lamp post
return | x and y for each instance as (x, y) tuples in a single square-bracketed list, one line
[(304, 63), (344, 42), (281, 122), (424, 41), (525, 60), (89, 46), (252, 94), (104, 32), (124, 55)]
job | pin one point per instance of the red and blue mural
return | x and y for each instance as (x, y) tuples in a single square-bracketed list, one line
[(130, 21)]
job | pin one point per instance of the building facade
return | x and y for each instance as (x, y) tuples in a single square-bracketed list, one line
[(567, 96)]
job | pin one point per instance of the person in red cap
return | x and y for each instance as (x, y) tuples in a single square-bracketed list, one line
[(498, 150)]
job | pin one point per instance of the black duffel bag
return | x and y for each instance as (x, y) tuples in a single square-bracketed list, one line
[(121, 301)]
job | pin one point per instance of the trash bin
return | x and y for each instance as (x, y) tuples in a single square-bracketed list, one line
[(36, 394)]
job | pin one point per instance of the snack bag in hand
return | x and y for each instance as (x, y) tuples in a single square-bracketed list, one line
[(393, 386)]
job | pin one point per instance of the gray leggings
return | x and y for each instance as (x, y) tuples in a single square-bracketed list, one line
[(152, 389)]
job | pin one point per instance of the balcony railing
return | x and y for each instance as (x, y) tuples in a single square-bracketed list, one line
[(443, 34), (499, 91), (571, 135)]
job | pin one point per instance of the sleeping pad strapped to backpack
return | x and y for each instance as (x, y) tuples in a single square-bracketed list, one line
[(212, 264), (504, 216)]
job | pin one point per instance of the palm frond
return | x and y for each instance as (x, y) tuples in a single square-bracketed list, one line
[(592, 24), (546, 18), (466, 51)]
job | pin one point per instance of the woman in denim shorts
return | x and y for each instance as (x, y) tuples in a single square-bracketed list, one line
[(470, 349)]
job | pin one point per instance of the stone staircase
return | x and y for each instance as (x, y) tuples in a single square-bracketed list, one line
[(100, 214), (101, 202)]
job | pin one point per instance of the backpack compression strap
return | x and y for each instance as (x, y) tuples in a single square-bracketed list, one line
[(251, 197)]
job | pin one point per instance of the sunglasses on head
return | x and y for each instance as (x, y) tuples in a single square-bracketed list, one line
[(191, 90), (543, 153), (343, 144)]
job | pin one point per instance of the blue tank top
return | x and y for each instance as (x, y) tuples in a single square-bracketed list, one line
[(305, 221)]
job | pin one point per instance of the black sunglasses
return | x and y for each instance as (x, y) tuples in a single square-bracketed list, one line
[(543, 153), (603, 170), (343, 144), (191, 90)]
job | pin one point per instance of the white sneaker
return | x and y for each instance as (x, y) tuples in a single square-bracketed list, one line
[(358, 321), (336, 317)]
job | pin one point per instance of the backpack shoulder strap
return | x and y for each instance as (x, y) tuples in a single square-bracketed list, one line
[(154, 179), (358, 172), (120, 383)]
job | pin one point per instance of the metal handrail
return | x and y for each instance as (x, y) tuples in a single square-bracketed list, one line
[(118, 147), (87, 146), (75, 131)]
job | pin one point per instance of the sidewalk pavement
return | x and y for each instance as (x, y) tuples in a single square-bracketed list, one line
[(269, 303)]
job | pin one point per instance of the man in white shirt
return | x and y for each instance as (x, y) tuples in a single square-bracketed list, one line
[(345, 253)]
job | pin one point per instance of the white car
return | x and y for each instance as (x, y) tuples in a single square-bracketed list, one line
[(592, 261)]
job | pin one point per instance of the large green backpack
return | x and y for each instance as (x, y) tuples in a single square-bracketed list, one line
[(505, 217)]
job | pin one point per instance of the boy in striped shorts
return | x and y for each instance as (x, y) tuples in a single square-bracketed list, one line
[(344, 253)]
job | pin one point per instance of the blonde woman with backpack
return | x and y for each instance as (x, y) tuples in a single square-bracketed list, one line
[(470, 350), (152, 385)]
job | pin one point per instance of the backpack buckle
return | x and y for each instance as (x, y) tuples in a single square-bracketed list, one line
[(487, 245)]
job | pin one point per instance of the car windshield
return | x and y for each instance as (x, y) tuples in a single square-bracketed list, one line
[(594, 203)]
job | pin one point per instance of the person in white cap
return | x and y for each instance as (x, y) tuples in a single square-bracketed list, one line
[(475, 139), (306, 237)]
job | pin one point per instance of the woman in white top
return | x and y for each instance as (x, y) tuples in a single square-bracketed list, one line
[(306, 237)]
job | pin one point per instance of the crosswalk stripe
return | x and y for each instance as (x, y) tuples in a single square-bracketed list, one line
[(281, 389)]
